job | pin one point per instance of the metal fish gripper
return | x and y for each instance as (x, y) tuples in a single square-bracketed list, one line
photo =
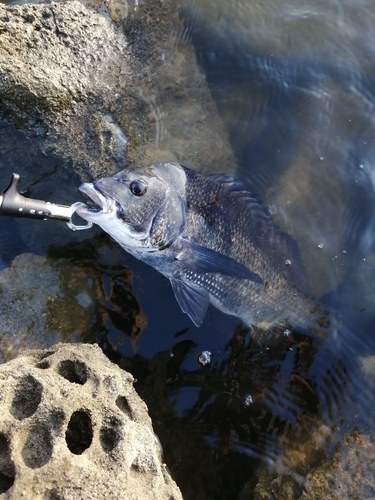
[(13, 204)]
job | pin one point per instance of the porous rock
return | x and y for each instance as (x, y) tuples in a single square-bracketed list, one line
[(72, 426)]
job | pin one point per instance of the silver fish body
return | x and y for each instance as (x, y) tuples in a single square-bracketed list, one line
[(213, 240)]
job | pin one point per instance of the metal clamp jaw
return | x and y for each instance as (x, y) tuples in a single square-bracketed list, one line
[(13, 204)]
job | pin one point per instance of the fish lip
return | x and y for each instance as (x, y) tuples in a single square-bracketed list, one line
[(98, 197)]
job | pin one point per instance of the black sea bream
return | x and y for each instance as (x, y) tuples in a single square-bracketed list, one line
[(213, 240)]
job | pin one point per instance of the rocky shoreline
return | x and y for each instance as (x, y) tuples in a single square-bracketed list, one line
[(103, 85)]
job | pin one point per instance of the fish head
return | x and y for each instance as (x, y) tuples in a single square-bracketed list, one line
[(142, 209)]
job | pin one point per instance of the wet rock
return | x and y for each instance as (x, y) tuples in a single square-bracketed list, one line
[(72, 426), (63, 298), (53, 58), (42, 51), (312, 470), (185, 124), (42, 302), (103, 95), (350, 474)]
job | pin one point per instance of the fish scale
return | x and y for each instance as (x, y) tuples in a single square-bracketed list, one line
[(211, 237), (243, 230)]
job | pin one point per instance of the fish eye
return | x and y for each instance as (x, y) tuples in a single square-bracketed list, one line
[(138, 188)]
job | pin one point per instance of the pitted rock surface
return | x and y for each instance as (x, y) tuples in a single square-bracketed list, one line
[(72, 426)]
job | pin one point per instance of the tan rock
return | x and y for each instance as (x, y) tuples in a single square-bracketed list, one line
[(72, 427)]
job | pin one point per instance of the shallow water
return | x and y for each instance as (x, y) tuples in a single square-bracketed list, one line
[(295, 86)]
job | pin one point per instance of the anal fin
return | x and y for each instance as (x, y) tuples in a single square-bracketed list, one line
[(193, 300)]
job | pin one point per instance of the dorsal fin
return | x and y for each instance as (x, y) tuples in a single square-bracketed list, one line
[(239, 189), (265, 233)]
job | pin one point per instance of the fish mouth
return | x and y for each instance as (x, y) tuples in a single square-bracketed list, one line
[(103, 204)]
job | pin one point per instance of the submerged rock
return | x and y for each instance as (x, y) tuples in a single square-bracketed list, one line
[(68, 296), (348, 473), (72, 426), (44, 301)]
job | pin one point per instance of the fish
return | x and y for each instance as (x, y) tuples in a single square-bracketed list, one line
[(210, 236)]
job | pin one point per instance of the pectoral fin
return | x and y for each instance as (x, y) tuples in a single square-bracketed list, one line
[(192, 300), (204, 260)]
